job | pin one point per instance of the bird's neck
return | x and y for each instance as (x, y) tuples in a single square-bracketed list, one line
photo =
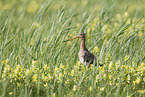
[(83, 46)]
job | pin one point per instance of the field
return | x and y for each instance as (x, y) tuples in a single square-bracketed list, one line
[(36, 62)]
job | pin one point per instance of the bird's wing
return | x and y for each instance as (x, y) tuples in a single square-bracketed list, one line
[(89, 57)]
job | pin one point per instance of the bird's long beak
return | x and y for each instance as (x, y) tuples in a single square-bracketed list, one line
[(72, 38)]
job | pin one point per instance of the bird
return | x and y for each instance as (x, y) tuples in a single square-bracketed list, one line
[(85, 56)]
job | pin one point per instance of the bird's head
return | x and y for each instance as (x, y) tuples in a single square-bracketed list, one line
[(81, 35)]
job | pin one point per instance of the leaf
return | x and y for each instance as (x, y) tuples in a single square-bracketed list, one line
[(10, 41)]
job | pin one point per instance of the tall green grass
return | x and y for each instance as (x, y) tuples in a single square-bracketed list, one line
[(32, 35)]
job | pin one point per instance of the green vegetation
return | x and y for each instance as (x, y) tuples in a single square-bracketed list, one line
[(35, 60)]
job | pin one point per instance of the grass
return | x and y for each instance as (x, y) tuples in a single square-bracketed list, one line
[(35, 60)]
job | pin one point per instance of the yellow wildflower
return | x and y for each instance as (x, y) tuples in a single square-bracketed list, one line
[(144, 79), (78, 25), (78, 63), (118, 17), (92, 51), (142, 64), (91, 88), (138, 80), (34, 62), (116, 84), (10, 93), (111, 65), (140, 34), (72, 72), (141, 91), (96, 49), (35, 77), (126, 58), (102, 89), (74, 88), (126, 14), (45, 85), (60, 75)]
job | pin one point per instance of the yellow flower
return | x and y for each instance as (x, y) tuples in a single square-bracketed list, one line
[(32, 42), (45, 67), (102, 69), (117, 67), (96, 49), (34, 77), (141, 91), (36, 25), (110, 76), (91, 65), (118, 17), (110, 83), (144, 79), (111, 65), (104, 76), (92, 51), (10, 93), (49, 75), (97, 77), (78, 63), (126, 14), (91, 88), (140, 34), (133, 83), (142, 64), (138, 80), (72, 72), (74, 88), (6, 61), (34, 62), (78, 25), (45, 85), (31, 71), (126, 58), (18, 84), (60, 75), (128, 77), (102, 89), (116, 84)]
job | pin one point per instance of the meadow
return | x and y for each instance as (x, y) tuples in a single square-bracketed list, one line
[(36, 62)]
